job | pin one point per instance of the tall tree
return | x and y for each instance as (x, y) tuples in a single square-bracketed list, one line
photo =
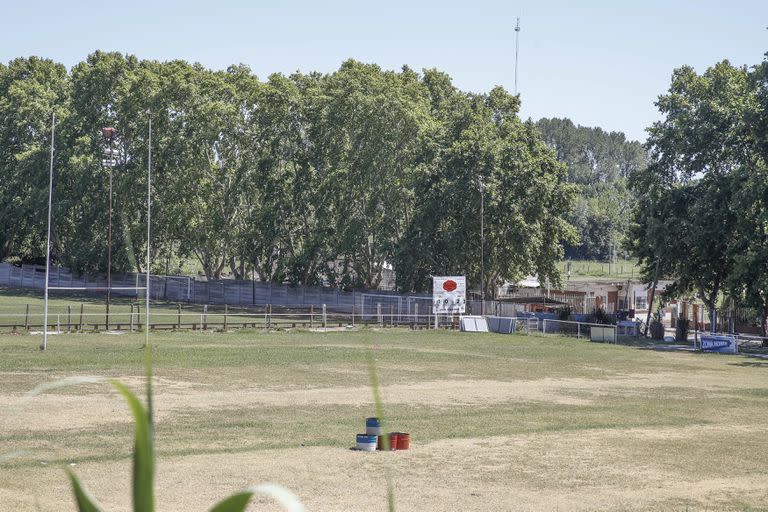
[(484, 144), (30, 89), (599, 164), (685, 217)]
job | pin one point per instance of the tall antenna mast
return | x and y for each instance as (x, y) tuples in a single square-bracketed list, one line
[(517, 50)]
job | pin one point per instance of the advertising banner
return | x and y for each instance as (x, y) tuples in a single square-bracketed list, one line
[(719, 343), (449, 295)]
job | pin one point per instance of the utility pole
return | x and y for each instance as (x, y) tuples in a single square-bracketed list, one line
[(109, 137), (482, 248), (517, 50)]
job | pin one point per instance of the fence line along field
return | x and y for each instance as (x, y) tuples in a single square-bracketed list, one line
[(497, 422)]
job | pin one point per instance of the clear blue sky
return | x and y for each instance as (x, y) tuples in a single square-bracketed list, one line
[(601, 63)]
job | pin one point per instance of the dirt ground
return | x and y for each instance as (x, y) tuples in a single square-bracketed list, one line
[(533, 472), (716, 462)]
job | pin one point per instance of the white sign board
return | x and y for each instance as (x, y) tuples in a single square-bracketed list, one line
[(449, 295)]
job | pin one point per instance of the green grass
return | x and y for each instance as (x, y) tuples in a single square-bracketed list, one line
[(544, 396), (19, 308)]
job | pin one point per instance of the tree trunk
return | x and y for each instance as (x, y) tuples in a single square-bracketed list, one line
[(764, 326)]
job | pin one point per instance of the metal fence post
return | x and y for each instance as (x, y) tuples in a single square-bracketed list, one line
[(205, 317), (26, 318), (353, 313), (131, 319), (544, 325), (311, 315), (325, 317), (578, 330), (69, 317), (226, 310), (178, 314), (80, 324), (379, 318)]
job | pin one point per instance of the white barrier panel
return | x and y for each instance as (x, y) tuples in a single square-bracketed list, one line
[(474, 324), (721, 344), (602, 334)]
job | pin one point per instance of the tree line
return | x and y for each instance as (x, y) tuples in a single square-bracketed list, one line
[(308, 178), (702, 202), (600, 164)]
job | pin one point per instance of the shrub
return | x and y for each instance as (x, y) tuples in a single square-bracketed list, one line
[(599, 316), (656, 327), (681, 330)]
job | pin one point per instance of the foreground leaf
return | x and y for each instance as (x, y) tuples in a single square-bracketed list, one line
[(235, 503), (143, 453), (379, 407), (85, 502), (238, 502)]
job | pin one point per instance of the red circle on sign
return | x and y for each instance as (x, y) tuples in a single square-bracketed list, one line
[(449, 285)]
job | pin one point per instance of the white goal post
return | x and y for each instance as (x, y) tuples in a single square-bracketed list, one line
[(44, 343)]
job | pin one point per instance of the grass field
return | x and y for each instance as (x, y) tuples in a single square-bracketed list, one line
[(18, 309), (497, 422), (590, 269)]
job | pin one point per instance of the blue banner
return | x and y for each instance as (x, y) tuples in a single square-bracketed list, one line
[(718, 343)]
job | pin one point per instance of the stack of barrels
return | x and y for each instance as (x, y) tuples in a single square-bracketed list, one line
[(373, 439)]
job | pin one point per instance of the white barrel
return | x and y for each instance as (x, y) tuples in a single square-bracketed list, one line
[(366, 443)]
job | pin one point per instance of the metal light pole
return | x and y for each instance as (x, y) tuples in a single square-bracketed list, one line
[(44, 345), (482, 248), (517, 49), (109, 136)]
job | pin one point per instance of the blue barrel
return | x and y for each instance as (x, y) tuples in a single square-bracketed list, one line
[(366, 443), (373, 427)]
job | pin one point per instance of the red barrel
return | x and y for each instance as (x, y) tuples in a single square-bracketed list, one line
[(393, 440), (403, 440)]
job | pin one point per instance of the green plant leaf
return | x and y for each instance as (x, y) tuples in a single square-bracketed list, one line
[(235, 503), (143, 453), (238, 502), (379, 407), (85, 502)]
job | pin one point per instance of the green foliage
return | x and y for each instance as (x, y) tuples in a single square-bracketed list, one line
[(701, 199), (29, 90), (481, 146), (656, 328), (308, 178), (681, 330), (599, 316), (599, 164), (85, 502)]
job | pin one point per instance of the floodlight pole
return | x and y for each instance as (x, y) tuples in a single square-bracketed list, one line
[(149, 213), (44, 345)]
